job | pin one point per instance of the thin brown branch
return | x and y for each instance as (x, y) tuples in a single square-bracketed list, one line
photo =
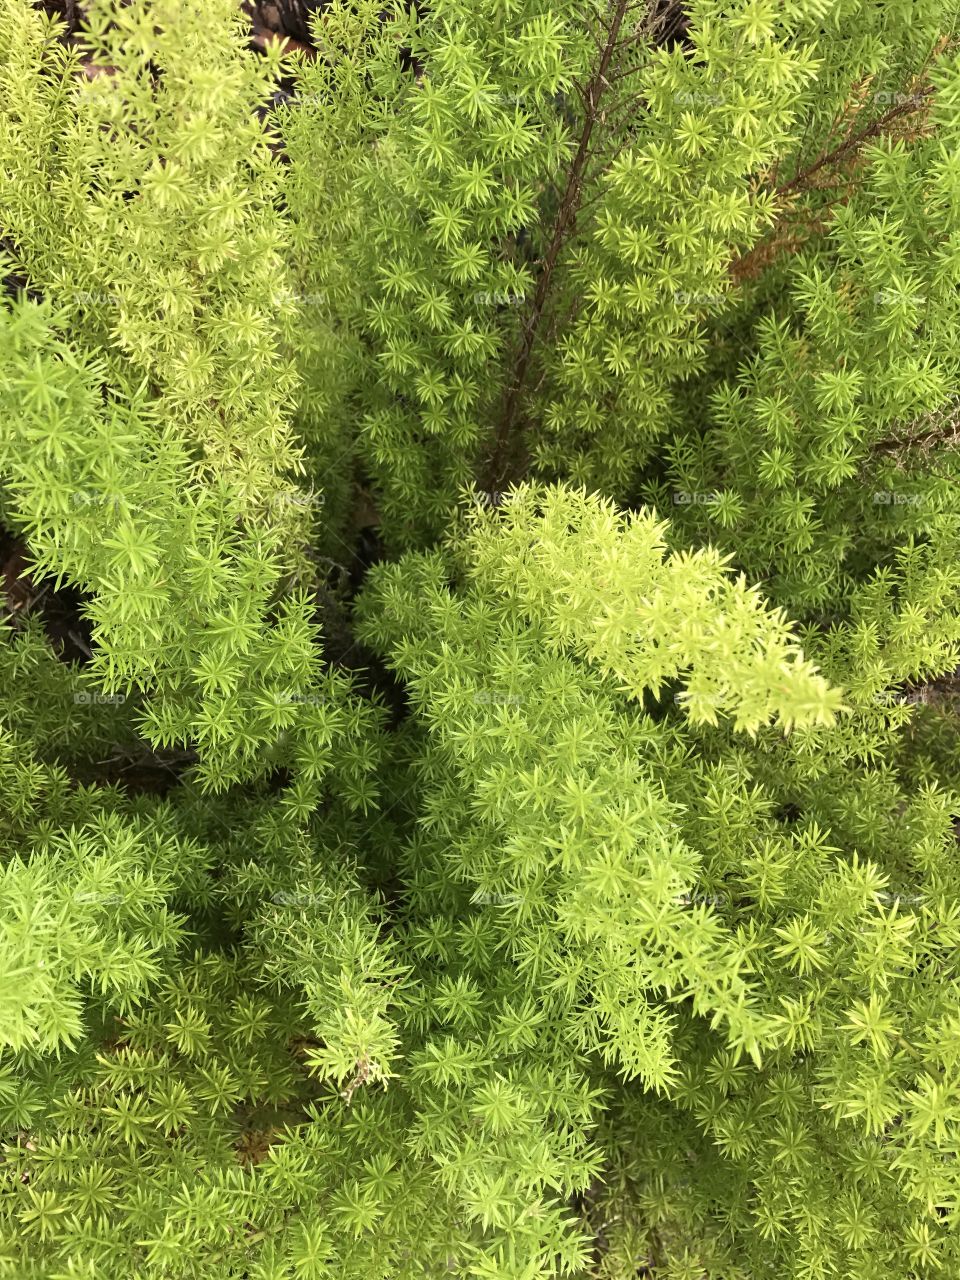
[(622, 74), (853, 143), (673, 24), (606, 159), (790, 238), (504, 439), (820, 176), (942, 427)]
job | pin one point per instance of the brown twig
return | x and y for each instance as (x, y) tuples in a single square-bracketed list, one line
[(941, 427), (855, 141), (361, 1076), (505, 439), (749, 264)]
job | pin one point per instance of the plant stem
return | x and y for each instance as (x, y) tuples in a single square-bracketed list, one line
[(503, 468)]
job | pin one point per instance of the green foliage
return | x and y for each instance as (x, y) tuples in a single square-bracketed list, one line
[(575, 891)]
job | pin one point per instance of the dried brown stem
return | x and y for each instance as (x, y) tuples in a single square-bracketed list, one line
[(505, 440), (822, 174), (941, 428), (853, 142)]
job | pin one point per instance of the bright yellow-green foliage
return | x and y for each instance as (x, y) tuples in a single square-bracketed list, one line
[(480, 566), (600, 583)]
